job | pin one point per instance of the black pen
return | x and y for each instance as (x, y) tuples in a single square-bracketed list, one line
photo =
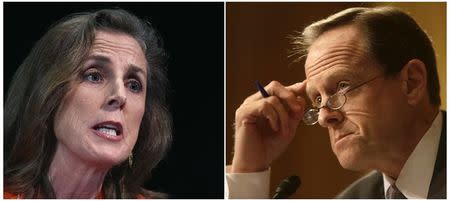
[(261, 89)]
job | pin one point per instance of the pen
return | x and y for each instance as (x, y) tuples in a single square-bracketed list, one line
[(261, 89)]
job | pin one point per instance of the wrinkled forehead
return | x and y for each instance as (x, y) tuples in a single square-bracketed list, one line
[(116, 45), (117, 40), (342, 46)]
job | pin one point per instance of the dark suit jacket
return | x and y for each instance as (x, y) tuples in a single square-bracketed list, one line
[(371, 185)]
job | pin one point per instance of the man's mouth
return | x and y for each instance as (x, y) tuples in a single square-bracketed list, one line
[(341, 136), (342, 133)]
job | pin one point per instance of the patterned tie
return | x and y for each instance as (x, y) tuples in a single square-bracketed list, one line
[(394, 193)]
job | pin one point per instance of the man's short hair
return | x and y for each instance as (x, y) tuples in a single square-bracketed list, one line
[(393, 37)]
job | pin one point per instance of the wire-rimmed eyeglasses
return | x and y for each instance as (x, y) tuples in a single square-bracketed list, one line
[(334, 102)]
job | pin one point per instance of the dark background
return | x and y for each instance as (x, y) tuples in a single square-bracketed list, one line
[(193, 34)]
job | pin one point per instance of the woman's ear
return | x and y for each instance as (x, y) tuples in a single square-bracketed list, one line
[(414, 81)]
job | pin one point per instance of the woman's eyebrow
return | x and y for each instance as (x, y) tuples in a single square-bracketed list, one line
[(106, 60), (99, 58), (137, 70)]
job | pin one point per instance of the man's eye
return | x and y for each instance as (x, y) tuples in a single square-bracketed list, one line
[(343, 86), (318, 101)]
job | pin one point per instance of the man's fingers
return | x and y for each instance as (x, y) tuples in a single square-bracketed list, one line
[(287, 95), (298, 88), (281, 112), (254, 97), (270, 108), (270, 113), (248, 114)]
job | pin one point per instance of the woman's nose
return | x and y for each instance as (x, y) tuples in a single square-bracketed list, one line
[(117, 96)]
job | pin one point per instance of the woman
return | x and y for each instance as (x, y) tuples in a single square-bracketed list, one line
[(86, 115)]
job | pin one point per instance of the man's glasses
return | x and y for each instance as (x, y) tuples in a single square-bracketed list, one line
[(334, 102)]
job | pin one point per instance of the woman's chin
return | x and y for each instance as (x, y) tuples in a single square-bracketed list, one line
[(108, 160)]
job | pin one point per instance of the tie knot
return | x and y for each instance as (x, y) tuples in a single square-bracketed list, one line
[(394, 193)]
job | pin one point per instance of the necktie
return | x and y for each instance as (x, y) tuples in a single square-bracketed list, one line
[(394, 193)]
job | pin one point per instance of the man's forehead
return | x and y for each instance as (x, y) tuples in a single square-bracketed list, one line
[(340, 45)]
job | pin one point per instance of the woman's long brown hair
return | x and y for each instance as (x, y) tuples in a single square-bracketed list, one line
[(48, 73)]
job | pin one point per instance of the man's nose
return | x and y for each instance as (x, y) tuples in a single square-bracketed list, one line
[(116, 96), (329, 117)]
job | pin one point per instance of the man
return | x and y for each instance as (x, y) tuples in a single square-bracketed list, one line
[(371, 77)]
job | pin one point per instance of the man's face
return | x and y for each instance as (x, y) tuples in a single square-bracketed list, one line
[(364, 130)]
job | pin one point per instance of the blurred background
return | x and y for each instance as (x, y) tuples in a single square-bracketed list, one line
[(257, 47)]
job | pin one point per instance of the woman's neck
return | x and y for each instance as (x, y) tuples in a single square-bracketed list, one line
[(71, 177)]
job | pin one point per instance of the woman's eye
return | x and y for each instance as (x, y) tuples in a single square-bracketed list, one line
[(94, 77), (134, 86)]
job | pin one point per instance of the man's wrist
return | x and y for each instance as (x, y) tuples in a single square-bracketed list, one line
[(237, 167)]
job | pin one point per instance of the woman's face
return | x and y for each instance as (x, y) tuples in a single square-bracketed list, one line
[(98, 120)]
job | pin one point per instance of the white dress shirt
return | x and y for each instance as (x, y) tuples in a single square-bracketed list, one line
[(254, 185), (415, 177), (413, 181)]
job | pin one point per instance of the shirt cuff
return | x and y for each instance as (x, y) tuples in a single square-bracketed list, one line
[(253, 185)]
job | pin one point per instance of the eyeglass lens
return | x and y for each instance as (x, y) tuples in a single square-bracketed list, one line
[(335, 102), (311, 116)]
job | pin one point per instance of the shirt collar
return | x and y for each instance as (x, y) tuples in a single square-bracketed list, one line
[(415, 177)]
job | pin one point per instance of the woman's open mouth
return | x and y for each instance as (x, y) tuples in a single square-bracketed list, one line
[(109, 130)]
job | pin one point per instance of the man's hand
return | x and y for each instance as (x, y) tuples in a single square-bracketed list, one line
[(265, 126)]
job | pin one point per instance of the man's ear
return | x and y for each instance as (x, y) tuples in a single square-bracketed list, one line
[(414, 81)]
